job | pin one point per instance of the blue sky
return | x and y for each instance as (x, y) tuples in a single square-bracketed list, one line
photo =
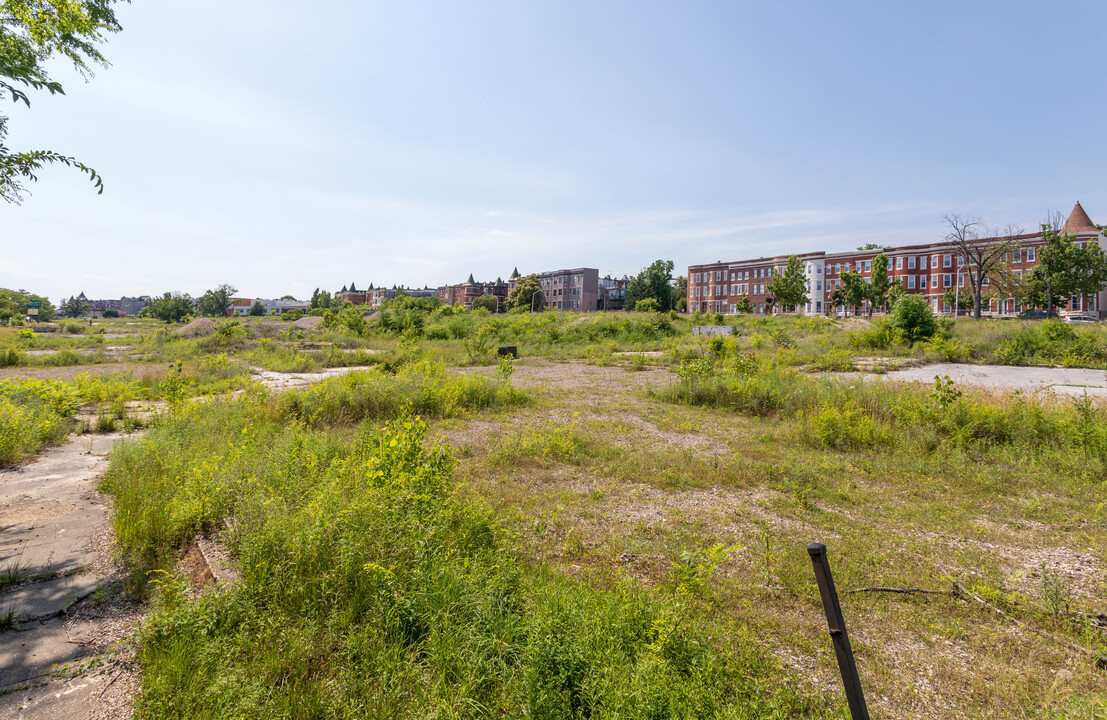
[(280, 147)]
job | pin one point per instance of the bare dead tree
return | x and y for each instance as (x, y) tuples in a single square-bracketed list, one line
[(1054, 219), (980, 255)]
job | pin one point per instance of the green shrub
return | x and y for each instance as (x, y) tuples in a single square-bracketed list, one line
[(912, 318)]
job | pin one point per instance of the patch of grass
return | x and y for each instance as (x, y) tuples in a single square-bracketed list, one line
[(33, 414)]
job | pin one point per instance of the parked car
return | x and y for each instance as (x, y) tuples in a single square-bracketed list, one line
[(1081, 319), (1036, 315)]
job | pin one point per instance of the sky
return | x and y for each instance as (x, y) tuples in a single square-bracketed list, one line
[(281, 147)]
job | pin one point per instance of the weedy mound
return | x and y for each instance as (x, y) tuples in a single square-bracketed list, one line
[(369, 589)]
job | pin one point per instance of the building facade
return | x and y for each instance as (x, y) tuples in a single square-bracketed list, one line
[(929, 270), (465, 293), (575, 290)]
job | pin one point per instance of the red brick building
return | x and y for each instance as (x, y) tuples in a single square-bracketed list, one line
[(928, 270), (464, 293)]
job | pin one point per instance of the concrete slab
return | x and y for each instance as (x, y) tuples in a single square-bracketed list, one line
[(39, 599), (34, 650), (73, 698), (1067, 381)]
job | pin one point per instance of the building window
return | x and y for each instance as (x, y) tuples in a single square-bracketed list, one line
[(911, 263), (947, 279), (923, 262), (947, 261), (910, 282), (868, 266), (1031, 254), (1018, 256)]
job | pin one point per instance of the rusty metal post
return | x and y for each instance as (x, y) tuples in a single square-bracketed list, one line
[(854, 694)]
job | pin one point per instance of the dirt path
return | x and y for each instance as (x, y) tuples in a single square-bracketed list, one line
[(61, 589)]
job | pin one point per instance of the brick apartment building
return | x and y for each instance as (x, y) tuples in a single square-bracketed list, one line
[(576, 290), (928, 270), (465, 293)]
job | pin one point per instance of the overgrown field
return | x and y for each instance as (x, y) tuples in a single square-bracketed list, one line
[(370, 589), (613, 526)]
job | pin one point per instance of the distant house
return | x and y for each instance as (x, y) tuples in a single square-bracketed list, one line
[(463, 294)]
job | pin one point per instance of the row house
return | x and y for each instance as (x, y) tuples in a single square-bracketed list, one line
[(576, 290), (465, 293), (720, 286), (929, 270), (613, 292)]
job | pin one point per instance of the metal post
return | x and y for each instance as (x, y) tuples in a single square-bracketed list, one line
[(854, 694)]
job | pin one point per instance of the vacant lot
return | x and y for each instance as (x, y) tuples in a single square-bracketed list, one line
[(615, 525)]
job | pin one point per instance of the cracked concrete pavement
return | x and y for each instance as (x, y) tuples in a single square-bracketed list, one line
[(52, 556)]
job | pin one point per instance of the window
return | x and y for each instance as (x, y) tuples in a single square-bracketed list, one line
[(899, 263), (1017, 256), (947, 261), (818, 285), (922, 262), (1031, 254), (910, 282), (922, 282), (960, 261), (818, 269), (947, 279), (868, 266), (911, 263)]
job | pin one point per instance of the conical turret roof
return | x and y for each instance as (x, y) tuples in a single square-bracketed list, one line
[(470, 281), (1078, 222), (352, 288), (343, 289), (514, 273)]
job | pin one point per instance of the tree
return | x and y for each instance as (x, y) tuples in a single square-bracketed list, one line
[(1064, 270), (680, 294), (646, 305), (320, 300), (654, 282), (871, 246), (952, 298), (170, 307), (31, 33), (290, 298), (215, 302), (981, 256), (895, 292), (789, 287), (853, 289), (488, 301), (74, 307), (257, 309), (13, 306), (523, 294), (877, 289), (744, 305)]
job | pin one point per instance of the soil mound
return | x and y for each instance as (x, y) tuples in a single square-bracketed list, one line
[(308, 323), (200, 327)]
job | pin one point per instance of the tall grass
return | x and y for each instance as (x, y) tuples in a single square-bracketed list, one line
[(369, 589), (847, 413), (33, 414)]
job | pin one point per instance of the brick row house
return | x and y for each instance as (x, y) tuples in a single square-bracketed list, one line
[(465, 293), (929, 270)]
